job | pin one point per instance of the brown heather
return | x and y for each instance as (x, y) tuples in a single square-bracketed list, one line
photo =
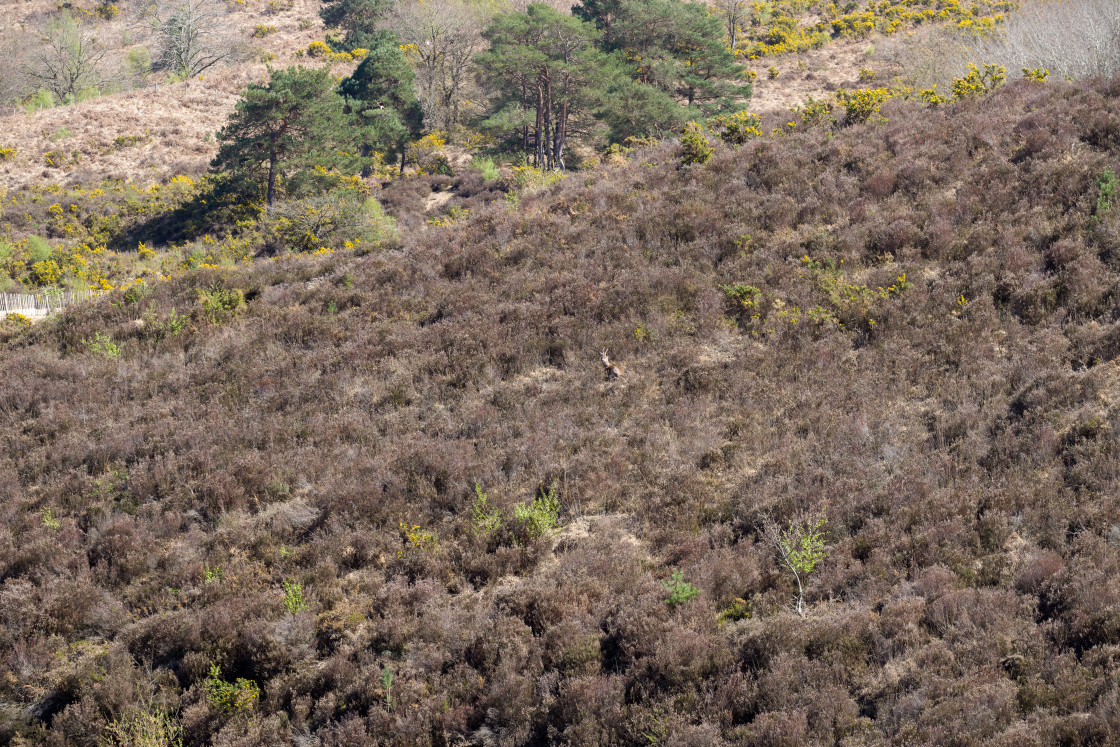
[(960, 436)]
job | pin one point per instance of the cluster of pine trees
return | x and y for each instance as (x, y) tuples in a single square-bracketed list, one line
[(612, 70)]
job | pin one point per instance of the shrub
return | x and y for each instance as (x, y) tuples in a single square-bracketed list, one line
[(1107, 187), (294, 601), (736, 129), (7, 153), (148, 725), (977, 83), (772, 72), (485, 521), (230, 697), (865, 75), (318, 50), (336, 220), (49, 521), (261, 30), (800, 549), (539, 518), (418, 538), (680, 591), (55, 159), (220, 303), (138, 62), (127, 141), (860, 106), (487, 168), (695, 148), (1036, 74), (103, 345)]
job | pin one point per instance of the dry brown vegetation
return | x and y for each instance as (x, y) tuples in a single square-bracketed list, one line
[(180, 117), (324, 421)]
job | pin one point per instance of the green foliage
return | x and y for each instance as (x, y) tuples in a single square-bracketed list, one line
[(339, 219), (230, 697), (539, 518), (487, 168), (7, 153), (860, 106), (1036, 74), (740, 609), (49, 521), (381, 95), (55, 159), (387, 685), (737, 128), (977, 83), (219, 304), (680, 591), (62, 133), (147, 725), (485, 521), (695, 148), (138, 62), (212, 574), (677, 47), (41, 99), (280, 134), (103, 345), (550, 50), (294, 600), (358, 18), (1107, 187), (800, 550), (772, 72)]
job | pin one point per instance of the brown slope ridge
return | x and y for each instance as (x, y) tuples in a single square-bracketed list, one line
[(958, 429)]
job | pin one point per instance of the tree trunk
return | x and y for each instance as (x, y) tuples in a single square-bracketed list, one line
[(539, 144), (561, 134), (548, 119), (271, 197)]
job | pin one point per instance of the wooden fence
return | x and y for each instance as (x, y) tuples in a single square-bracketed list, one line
[(42, 304)]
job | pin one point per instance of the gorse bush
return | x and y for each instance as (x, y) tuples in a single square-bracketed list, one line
[(231, 697), (695, 148), (859, 106), (977, 83), (220, 304)]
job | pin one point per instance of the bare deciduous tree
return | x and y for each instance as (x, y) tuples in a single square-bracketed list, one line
[(1071, 39), (69, 60), (191, 36), (442, 38), (13, 75), (733, 12)]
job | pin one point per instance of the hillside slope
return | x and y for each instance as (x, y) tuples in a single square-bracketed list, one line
[(910, 328)]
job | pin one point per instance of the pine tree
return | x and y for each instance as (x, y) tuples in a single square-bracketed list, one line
[(278, 134), (381, 95), (359, 18), (674, 45)]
